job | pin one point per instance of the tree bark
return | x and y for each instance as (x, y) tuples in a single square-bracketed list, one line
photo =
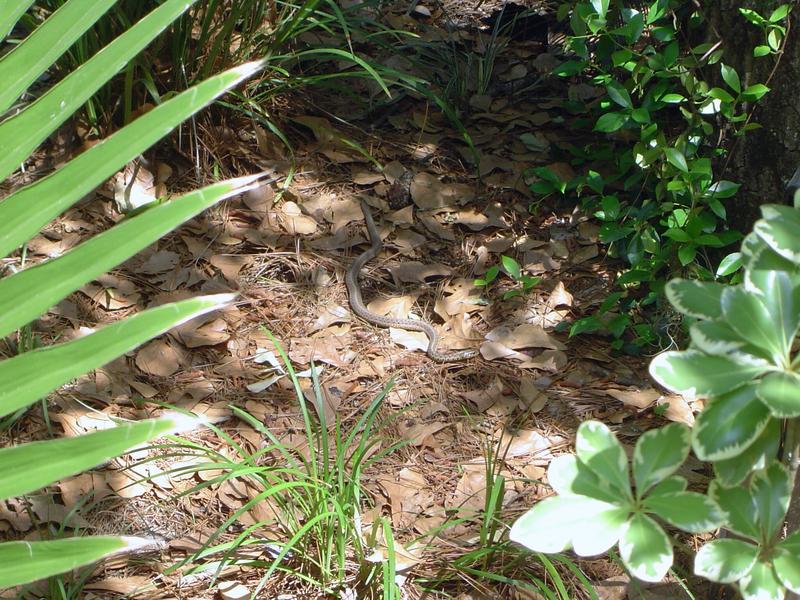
[(764, 160)]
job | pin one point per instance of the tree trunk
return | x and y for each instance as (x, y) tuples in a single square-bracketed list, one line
[(764, 160)]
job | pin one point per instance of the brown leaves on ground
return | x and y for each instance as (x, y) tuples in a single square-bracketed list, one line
[(446, 214)]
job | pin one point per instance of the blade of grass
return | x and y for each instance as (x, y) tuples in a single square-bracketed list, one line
[(28, 467), (29, 59), (28, 377), (10, 12), (25, 562), (46, 284), (26, 211)]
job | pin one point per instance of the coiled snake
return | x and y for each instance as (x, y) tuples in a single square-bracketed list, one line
[(357, 303)]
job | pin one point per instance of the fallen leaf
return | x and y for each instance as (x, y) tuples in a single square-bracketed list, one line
[(159, 358), (428, 192), (524, 336), (417, 272), (637, 398)]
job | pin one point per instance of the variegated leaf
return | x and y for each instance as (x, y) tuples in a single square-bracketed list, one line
[(779, 229), (658, 454), (598, 448), (725, 561), (748, 316), (716, 337), (739, 507), (693, 373), (780, 392), (759, 454), (645, 549), (730, 423), (771, 489), (689, 511), (787, 562), (700, 299), (569, 476)]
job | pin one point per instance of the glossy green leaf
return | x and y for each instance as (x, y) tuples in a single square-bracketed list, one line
[(746, 314), (730, 264), (771, 490), (723, 189), (687, 254), (731, 77), (761, 583), (755, 91), (511, 266), (34, 124), (552, 523), (26, 211), (598, 448), (739, 508), (757, 455), (689, 511), (658, 454), (781, 298), (729, 424), (601, 7), (700, 299), (30, 376), (787, 562), (725, 561), (29, 467), (676, 158), (25, 562), (780, 392), (693, 373), (670, 485), (10, 12), (780, 13), (645, 549), (722, 95), (717, 338), (29, 59), (778, 229), (610, 122), (569, 476), (618, 93), (46, 284)]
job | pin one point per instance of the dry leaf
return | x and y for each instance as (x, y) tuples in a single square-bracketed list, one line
[(159, 358), (294, 221), (524, 336), (417, 272), (410, 340), (428, 192), (232, 590), (637, 398), (160, 262)]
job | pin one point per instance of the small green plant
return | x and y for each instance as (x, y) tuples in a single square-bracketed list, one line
[(493, 558), (648, 177), (314, 491), (513, 269), (743, 358)]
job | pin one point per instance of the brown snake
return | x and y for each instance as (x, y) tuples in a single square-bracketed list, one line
[(357, 303)]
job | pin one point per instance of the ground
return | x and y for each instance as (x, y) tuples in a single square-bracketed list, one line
[(447, 212)]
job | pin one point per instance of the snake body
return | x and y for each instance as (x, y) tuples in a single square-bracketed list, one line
[(357, 302)]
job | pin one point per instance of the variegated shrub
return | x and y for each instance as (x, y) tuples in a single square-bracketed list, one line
[(742, 360)]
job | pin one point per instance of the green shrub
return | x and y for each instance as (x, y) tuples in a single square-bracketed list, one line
[(743, 358), (651, 176)]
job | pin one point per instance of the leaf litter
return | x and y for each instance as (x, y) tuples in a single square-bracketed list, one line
[(446, 214)]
